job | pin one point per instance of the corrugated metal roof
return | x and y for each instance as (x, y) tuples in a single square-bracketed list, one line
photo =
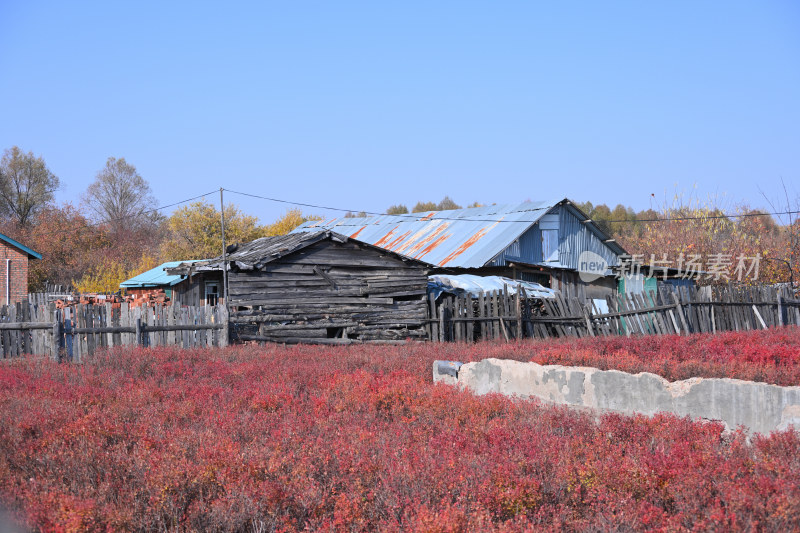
[(463, 238), (254, 255), (156, 277)]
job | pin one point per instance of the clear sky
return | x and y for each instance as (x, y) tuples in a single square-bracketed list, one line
[(361, 105)]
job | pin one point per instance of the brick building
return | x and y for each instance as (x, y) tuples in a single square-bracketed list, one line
[(14, 258)]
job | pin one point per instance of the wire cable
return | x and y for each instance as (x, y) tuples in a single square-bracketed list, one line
[(422, 215), (68, 230), (417, 216)]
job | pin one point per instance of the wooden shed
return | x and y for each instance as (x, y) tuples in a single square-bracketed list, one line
[(322, 287)]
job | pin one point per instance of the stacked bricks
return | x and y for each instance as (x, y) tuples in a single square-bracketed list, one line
[(146, 297)]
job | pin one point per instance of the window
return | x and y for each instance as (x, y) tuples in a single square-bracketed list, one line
[(549, 245), (212, 293)]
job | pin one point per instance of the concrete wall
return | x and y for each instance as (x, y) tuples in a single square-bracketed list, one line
[(759, 407)]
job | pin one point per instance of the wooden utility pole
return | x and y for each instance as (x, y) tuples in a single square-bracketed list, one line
[(224, 253)]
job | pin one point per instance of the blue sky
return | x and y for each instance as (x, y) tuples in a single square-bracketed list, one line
[(361, 105)]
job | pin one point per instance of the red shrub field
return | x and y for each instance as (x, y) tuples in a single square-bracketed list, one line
[(771, 356), (358, 438)]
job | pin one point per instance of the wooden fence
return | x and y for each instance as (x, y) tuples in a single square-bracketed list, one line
[(74, 332), (504, 316)]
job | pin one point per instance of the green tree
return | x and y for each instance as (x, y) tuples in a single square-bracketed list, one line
[(26, 185)]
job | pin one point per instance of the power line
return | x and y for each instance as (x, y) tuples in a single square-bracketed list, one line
[(418, 216), (706, 217), (421, 216), (126, 217)]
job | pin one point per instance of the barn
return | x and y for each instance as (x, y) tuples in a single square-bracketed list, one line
[(14, 270), (541, 242), (321, 287)]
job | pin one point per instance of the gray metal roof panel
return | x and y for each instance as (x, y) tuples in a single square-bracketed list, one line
[(465, 238)]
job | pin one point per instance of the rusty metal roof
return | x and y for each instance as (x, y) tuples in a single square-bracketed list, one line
[(459, 238)]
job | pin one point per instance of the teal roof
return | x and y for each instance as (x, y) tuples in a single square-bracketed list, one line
[(21, 246), (155, 277)]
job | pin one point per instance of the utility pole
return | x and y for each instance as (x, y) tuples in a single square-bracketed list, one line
[(224, 253)]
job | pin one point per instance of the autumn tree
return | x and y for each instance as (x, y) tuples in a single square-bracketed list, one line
[(195, 231), (425, 206), (106, 277), (447, 203), (398, 209), (70, 245), (120, 197), (26, 185), (290, 220)]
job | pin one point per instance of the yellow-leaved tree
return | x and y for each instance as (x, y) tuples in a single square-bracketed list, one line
[(290, 220), (195, 231), (105, 278)]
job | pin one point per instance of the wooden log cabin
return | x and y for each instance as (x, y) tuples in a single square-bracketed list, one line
[(321, 287)]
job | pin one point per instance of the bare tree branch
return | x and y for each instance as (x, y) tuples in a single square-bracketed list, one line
[(26, 185), (119, 196)]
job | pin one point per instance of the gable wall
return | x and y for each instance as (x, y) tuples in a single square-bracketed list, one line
[(527, 249), (573, 238), (332, 290), (18, 275)]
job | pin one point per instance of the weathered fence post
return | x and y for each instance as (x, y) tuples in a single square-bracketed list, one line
[(588, 321), (55, 353), (763, 324), (442, 330), (780, 310), (679, 311), (138, 331)]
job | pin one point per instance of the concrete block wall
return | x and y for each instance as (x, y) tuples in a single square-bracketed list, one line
[(759, 407), (18, 275)]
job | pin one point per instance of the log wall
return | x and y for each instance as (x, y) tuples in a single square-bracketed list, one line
[(330, 293)]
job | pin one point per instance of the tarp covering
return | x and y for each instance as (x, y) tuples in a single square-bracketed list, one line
[(473, 285)]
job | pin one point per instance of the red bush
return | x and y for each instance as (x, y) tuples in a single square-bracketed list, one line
[(359, 438), (771, 356)]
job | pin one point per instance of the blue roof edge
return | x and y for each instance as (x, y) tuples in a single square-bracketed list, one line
[(21, 246), (149, 283)]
